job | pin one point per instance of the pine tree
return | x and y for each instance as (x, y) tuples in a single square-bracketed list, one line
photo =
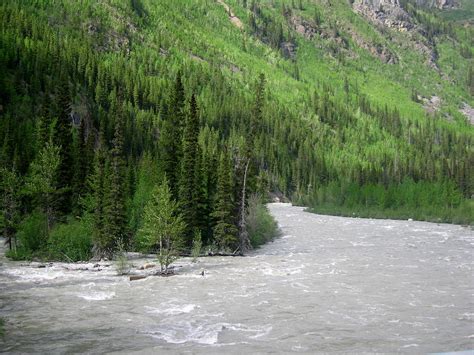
[(225, 230), (201, 196), (97, 187), (10, 204), (187, 188), (172, 135), (248, 168), (84, 159), (63, 139), (115, 213)]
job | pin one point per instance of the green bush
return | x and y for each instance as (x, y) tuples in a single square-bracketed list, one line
[(31, 236), (71, 241), (260, 224)]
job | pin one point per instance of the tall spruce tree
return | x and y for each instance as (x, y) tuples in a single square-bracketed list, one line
[(225, 230), (187, 187), (10, 204), (171, 141), (97, 185), (248, 161), (115, 213), (84, 160), (201, 196), (63, 139)]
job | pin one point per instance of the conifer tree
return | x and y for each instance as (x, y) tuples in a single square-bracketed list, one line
[(187, 188), (84, 159), (171, 141), (201, 196), (10, 204), (255, 121), (97, 185), (63, 139), (225, 230), (115, 214)]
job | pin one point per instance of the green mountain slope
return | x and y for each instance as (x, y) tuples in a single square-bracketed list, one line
[(367, 107)]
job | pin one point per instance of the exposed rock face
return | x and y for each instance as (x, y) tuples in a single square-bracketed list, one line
[(468, 111), (390, 14), (379, 51), (304, 27), (440, 4), (387, 13), (288, 50), (432, 105)]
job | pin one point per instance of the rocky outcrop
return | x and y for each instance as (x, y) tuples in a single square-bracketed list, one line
[(390, 14), (387, 13), (379, 51), (304, 27), (431, 105), (439, 4), (288, 50), (468, 111)]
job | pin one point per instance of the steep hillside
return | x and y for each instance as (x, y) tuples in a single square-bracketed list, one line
[(353, 105)]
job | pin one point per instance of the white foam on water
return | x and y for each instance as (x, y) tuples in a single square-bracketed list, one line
[(180, 332), (442, 305), (96, 296), (410, 346), (36, 275), (170, 309), (362, 244)]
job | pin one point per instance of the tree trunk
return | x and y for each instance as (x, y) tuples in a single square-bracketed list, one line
[(244, 236)]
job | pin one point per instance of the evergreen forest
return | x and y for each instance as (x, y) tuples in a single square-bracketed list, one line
[(157, 125)]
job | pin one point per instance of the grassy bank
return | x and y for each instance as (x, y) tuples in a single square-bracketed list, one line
[(440, 202), (461, 215)]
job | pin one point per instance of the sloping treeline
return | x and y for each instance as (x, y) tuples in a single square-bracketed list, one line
[(88, 132)]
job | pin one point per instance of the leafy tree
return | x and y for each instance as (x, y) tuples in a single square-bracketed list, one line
[(197, 245), (41, 182), (163, 226)]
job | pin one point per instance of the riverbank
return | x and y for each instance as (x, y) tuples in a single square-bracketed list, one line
[(73, 241), (463, 215), (439, 202)]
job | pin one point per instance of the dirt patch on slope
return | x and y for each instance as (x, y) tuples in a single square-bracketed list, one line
[(234, 19)]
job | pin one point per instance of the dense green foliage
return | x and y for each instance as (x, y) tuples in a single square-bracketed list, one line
[(163, 226), (261, 226), (71, 241), (100, 101)]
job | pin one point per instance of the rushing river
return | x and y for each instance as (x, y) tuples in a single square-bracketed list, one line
[(328, 284)]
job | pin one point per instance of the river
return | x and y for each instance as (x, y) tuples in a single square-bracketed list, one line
[(327, 284)]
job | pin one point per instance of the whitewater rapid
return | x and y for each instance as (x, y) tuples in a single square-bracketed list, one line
[(327, 284)]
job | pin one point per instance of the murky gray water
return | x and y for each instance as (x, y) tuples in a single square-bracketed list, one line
[(329, 284)]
